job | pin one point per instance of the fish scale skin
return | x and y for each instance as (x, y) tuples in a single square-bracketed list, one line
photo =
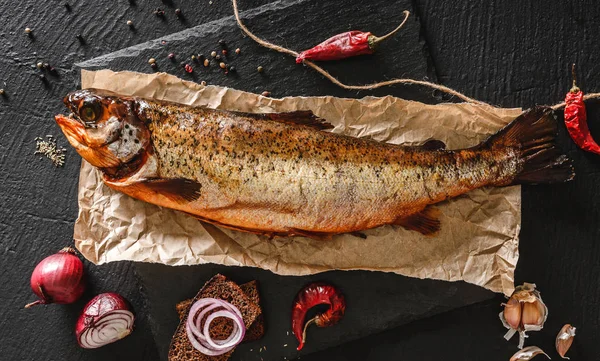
[(266, 175)]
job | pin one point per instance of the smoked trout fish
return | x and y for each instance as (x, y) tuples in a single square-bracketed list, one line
[(283, 174)]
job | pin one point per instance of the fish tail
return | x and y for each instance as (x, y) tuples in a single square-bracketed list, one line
[(533, 133)]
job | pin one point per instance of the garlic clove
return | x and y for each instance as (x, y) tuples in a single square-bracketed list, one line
[(534, 313), (528, 353), (512, 313), (564, 339)]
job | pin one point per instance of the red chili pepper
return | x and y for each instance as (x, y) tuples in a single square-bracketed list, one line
[(576, 119), (310, 296), (345, 45)]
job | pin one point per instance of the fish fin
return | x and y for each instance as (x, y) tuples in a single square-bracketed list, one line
[(319, 236), (359, 234), (426, 222), (533, 133), (434, 144), (178, 190), (300, 117)]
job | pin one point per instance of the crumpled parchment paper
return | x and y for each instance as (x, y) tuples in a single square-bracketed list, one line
[(478, 242)]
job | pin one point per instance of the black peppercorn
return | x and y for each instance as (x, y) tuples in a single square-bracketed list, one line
[(178, 12), (183, 64), (218, 57), (200, 57), (232, 69), (222, 42)]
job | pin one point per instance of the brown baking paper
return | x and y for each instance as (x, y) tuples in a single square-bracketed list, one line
[(478, 242)]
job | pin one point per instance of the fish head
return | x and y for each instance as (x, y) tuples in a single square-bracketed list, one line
[(104, 128)]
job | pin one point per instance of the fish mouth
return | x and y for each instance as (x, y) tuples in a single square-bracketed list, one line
[(73, 129)]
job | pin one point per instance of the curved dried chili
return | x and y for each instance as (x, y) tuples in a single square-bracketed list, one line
[(310, 296)]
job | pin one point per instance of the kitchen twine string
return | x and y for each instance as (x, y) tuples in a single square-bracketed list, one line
[(335, 81)]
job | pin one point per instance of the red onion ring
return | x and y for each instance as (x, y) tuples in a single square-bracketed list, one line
[(198, 332)]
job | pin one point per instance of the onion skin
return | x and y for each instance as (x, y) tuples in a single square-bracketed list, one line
[(58, 278), (98, 307)]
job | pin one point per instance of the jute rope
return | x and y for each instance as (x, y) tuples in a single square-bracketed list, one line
[(326, 74)]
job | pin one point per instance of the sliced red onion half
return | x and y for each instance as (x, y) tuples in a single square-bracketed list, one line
[(105, 319), (198, 326)]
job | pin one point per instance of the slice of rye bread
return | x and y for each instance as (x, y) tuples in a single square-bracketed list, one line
[(223, 327), (219, 287)]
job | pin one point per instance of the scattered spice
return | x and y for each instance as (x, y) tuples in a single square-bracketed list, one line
[(310, 296), (40, 65), (576, 118), (203, 83), (266, 93), (222, 65), (129, 23), (222, 42), (45, 65), (524, 311), (206, 62), (224, 52), (188, 68), (159, 12), (218, 57), (193, 57), (200, 57), (178, 12), (528, 353), (153, 65), (42, 77), (564, 340), (259, 69), (28, 31), (151, 61), (232, 69), (238, 51), (171, 56), (213, 53), (2, 92), (49, 149)]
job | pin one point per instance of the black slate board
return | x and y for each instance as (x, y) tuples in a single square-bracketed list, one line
[(399, 299)]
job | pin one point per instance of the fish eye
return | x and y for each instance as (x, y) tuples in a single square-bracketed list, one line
[(90, 112)]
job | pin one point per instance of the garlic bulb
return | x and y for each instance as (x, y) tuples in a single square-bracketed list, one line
[(524, 311)]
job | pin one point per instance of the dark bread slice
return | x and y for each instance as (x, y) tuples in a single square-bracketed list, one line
[(217, 287), (255, 332)]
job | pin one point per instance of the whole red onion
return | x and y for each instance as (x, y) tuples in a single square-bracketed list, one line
[(58, 278), (105, 319)]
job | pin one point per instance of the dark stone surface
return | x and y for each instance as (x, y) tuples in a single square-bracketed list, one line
[(505, 52)]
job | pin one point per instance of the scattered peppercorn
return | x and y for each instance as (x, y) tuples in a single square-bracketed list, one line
[(2, 92), (193, 57), (266, 93), (238, 51), (178, 12), (232, 69), (260, 69), (45, 65), (183, 64), (200, 57), (188, 68), (51, 69), (153, 65), (159, 12), (203, 83), (42, 77), (213, 53), (218, 57), (222, 65), (221, 42), (129, 23), (151, 61), (28, 31), (40, 65), (224, 52), (171, 56), (206, 62)]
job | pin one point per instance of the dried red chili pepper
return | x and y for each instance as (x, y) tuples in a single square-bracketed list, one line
[(345, 45), (576, 119), (312, 295)]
